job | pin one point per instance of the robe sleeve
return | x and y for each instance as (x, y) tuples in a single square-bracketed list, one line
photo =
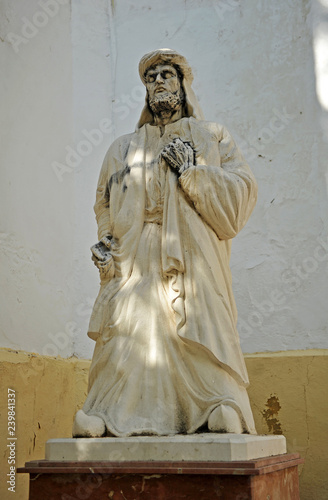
[(101, 206), (223, 195)]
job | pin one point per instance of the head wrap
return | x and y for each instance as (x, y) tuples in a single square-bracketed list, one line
[(168, 56)]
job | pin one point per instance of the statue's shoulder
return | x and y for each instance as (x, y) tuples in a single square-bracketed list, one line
[(120, 146)]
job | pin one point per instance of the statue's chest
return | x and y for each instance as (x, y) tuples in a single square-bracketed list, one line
[(204, 143)]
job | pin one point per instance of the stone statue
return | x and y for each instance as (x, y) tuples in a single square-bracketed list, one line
[(170, 198)]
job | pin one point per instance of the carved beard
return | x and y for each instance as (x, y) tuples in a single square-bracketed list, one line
[(167, 101)]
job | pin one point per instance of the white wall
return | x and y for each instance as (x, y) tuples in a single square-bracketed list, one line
[(254, 71), (37, 213)]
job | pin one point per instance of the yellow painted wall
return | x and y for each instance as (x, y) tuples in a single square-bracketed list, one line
[(48, 391), (288, 394)]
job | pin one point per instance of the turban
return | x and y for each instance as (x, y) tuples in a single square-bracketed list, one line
[(168, 56), (162, 56)]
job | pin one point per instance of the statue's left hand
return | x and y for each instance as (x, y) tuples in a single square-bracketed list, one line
[(179, 155)]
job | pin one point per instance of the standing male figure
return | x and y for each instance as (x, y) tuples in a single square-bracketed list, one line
[(170, 197)]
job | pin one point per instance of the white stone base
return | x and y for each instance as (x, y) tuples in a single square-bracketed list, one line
[(197, 447)]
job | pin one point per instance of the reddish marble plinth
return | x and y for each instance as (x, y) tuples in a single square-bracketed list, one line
[(273, 478)]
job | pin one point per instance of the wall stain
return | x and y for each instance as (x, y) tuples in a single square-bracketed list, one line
[(271, 413)]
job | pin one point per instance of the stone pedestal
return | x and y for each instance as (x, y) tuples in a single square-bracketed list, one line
[(177, 467), (197, 447)]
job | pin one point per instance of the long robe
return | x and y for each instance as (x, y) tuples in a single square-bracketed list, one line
[(167, 349)]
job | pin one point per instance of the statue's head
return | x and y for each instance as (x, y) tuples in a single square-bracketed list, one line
[(167, 77), (164, 89)]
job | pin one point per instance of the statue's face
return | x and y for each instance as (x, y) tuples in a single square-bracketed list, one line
[(162, 79)]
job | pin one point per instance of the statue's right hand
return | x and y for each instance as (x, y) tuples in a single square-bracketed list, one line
[(179, 155), (101, 250), (103, 259)]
